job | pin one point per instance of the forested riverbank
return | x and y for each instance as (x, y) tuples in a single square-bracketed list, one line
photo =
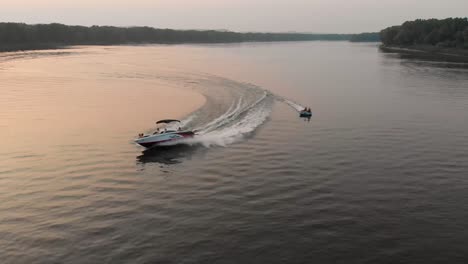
[(19, 36), (443, 39)]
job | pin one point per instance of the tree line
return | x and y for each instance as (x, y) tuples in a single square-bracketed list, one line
[(366, 37), (450, 33), (19, 33)]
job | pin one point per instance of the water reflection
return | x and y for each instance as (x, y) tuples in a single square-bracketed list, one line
[(436, 64), (427, 59), (387, 138), (167, 155), (9, 56)]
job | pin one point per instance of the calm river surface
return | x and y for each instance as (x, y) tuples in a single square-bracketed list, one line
[(379, 174)]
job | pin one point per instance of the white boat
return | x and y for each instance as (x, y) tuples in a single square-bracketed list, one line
[(169, 133)]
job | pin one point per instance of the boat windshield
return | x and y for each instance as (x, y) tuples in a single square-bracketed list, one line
[(166, 128), (168, 121), (168, 125)]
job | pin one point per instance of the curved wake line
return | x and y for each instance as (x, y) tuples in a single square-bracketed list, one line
[(252, 117), (222, 118), (241, 119), (225, 119), (291, 103), (232, 111)]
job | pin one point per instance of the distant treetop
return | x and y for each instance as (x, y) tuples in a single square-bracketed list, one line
[(366, 37)]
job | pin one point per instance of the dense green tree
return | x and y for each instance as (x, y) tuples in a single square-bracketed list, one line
[(465, 36), (388, 35), (450, 32)]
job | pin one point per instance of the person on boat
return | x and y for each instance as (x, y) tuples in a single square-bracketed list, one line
[(305, 109)]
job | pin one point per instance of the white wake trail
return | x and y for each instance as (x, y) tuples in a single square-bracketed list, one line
[(235, 124), (232, 111)]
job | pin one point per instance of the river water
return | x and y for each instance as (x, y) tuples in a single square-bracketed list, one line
[(377, 175)]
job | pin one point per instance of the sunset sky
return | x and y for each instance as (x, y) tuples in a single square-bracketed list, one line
[(333, 16)]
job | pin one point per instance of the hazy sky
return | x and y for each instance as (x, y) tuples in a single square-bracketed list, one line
[(334, 16)]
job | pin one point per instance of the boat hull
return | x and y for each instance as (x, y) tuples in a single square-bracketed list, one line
[(161, 139)]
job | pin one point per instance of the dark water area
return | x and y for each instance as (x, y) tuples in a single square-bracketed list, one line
[(449, 56), (377, 175)]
